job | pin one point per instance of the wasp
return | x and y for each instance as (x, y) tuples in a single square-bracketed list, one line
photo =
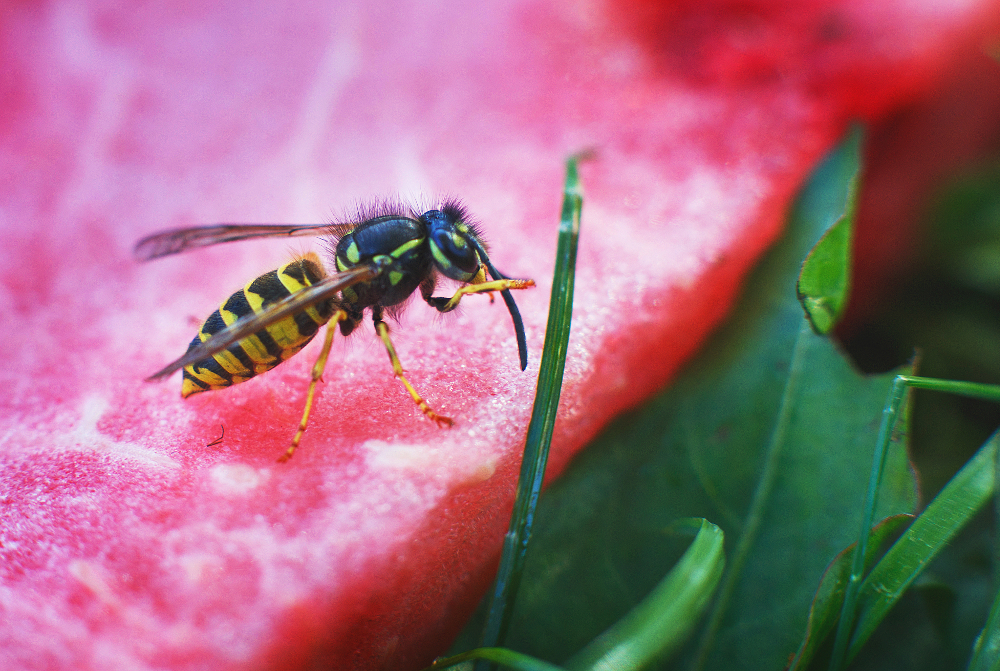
[(382, 256)]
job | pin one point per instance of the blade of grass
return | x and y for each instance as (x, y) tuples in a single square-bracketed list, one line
[(987, 392), (986, 649), (825, 609), (846, 622), (543, 417), (844, 644), (986, 652), (502, 656), (654, 628), (962, 497), (663, 620)]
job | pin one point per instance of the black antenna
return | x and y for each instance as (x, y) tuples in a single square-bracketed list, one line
[(515, 314)]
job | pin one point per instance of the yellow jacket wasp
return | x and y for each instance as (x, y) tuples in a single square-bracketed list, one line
[(382, 257)]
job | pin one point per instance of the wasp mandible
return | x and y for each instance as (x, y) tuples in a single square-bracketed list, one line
[(382, 256)]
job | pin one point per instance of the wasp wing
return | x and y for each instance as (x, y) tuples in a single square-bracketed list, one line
[(179, 240), (252, 323)]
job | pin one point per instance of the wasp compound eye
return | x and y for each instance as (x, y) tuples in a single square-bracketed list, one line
[(453, 254)]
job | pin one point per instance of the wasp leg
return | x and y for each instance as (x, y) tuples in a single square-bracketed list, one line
[(317, 373), (397, 368), (448, 304)]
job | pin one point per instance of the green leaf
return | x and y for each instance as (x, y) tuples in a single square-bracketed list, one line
[(824, 280), (769, 434)]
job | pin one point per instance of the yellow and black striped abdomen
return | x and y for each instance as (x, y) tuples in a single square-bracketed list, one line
[(268, 347)]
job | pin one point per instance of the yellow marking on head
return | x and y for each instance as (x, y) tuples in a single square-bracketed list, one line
[(395, 277), (439, 257), (445, 263)]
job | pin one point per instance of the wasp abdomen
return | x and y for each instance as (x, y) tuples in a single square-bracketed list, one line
[(268, 347)]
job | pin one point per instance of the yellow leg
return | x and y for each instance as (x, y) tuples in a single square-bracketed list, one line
[(397, 368), (493, 285), (317, 374)]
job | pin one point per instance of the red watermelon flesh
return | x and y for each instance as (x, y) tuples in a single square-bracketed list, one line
[(131, 536)]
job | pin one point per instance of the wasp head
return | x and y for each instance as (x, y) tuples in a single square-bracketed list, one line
[(455, 243), (460, 253)]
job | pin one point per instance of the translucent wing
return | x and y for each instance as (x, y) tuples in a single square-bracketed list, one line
[(250, 324), (179, 240)]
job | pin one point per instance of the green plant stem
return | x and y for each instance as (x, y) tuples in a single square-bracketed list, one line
[(762, 494)]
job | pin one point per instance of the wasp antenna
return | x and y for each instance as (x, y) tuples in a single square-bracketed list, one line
[(515, 314)]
